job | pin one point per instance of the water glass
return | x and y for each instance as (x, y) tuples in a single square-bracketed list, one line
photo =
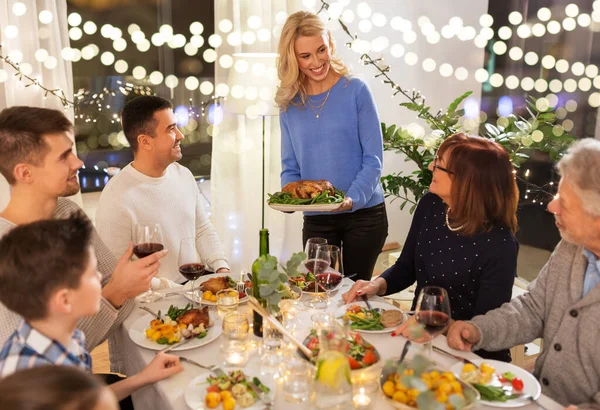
[(272, 343), (227, 301), (297, 378)]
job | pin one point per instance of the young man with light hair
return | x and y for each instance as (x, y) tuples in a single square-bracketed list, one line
[(155, 188), (563, 303), (37, 160)]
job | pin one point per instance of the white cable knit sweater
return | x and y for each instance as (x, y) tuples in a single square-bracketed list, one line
[(172, 200)]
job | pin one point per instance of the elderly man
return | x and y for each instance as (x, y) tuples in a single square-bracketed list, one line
[(563, 303)]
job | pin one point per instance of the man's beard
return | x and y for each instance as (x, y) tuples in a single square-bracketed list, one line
[(70, 190)]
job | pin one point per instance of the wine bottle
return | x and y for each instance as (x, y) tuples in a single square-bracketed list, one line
[(263, 250)]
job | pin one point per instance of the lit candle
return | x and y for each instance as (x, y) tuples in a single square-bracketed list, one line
[(236, 358), (361, 400)]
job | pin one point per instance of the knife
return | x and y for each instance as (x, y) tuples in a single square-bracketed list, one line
[(174, 345), (459, 358)]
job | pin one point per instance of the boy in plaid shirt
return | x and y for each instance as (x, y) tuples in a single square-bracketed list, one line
[(48, 275)]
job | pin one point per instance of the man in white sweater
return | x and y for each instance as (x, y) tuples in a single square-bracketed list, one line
[(37, 161), (155, 188)]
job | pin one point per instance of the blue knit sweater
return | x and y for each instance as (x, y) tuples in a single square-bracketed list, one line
[(344, 145)]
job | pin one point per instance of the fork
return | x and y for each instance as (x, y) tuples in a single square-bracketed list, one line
[(153, 313)]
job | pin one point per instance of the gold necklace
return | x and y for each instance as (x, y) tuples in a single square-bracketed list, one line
[(448, 223), (319, 107)]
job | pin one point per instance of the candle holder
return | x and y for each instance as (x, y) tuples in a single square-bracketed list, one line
[(361, 400)]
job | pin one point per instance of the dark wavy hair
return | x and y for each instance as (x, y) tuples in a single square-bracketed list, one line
[(484, 191)]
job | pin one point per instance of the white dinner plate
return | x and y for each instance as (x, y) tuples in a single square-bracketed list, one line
[(202, 279), (530, 384), (305, 208), (195, 392), (374, 304), (137, 333)]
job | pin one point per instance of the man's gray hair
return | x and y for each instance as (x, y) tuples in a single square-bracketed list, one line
[(581, 166)]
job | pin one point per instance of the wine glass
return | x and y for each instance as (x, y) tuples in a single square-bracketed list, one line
[(148, 240), (190, 265), (335, 272), (318, 267), (433, 311)]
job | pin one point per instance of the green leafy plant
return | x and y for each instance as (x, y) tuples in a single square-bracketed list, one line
[(518, 135), (271, 280)]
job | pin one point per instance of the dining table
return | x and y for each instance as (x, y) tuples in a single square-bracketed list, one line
[(168, 394)]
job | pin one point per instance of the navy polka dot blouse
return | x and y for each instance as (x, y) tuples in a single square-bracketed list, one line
[(477, 271)]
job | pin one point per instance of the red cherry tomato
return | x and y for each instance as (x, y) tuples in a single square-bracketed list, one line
[(517, 384), (353, 363), (369, 358), (213, 389)]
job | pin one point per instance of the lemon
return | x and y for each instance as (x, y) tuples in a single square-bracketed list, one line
[(333, 369)]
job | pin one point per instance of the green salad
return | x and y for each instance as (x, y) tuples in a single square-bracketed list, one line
[(285, 198)]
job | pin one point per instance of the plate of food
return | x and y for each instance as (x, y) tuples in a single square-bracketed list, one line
[(361, 354), (500, 384), (208, 286), (330, 280), (227, 392), (403, 386), (307, 195), (175, 325), (384, 317)]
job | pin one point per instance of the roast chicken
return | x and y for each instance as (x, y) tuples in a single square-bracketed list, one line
[(305, 189), (215, 284), (195, 317)]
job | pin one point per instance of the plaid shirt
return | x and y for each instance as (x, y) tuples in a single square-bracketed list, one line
[(28, 348)]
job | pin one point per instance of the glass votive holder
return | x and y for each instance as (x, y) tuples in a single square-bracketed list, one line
[(235, 327), (234, 353), (227, 301), (297, 378), (361, 400)]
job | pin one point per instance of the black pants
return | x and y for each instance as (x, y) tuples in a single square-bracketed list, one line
[(360, 234)]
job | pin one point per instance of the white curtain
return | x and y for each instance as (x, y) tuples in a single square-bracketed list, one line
[(31, 36), (236, 180)]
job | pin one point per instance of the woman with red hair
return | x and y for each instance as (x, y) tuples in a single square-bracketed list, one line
[(462, 233)]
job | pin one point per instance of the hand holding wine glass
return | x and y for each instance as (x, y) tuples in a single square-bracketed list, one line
[(147, 241), (433, 311), (190, 265)]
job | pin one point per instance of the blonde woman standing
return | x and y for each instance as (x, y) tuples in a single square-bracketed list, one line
[(330, 130)]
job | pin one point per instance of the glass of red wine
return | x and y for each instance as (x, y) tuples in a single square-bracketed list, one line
[(433, 311), (334, 275), (148, 240), (318, 265), (190, 266)]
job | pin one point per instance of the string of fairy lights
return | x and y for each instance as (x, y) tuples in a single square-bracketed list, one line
[(197, 43)]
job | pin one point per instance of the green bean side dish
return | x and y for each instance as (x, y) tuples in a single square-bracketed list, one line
[(285, 198)]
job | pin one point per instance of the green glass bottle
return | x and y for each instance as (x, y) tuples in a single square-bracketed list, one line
[(263, 250)]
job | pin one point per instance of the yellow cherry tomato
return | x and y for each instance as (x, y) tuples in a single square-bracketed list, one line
[(212, 400), (229, 403), (225, 394), (400, 397), (487, 369), (468, 367), (388, 388)]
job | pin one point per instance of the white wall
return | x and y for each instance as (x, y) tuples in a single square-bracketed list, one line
[(439, 91)]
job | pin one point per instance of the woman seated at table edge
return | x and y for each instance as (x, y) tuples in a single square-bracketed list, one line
[(462, 234)]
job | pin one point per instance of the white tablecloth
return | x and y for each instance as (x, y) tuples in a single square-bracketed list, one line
[(168, 394)]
